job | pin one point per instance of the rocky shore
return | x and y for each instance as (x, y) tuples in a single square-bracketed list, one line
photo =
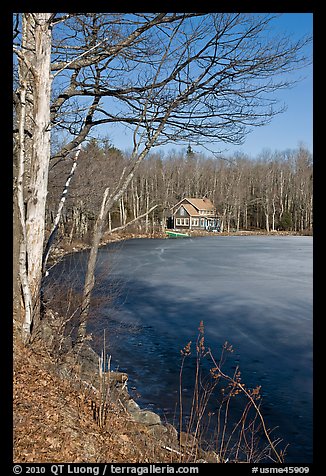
[(102, 399)]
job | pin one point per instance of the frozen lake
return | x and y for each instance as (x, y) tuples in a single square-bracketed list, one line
[(253, 291)]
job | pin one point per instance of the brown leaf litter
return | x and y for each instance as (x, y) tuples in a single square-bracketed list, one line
[(53, 421)]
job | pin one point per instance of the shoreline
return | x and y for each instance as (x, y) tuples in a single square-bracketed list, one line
[(59, 251)]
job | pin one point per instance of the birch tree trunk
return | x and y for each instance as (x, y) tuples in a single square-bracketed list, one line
[(267, 221), (59, 212), (109, 221), (23, 276), (246, 216), (34, 71), (223, 218), (35, 214), (238, 217)]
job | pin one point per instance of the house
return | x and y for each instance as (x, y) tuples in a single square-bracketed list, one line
[(194, 213)]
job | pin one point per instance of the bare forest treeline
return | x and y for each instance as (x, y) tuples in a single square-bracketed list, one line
[(272, 192)]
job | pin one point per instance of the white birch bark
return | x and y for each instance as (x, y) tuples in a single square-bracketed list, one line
[(147, 208), (33, 157), (35, 214), (59, 212), (26, 294), (273, 214)]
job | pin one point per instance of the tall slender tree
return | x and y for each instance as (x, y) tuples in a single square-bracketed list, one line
[(34, 95)]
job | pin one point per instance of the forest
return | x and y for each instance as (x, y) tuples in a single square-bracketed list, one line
[(274, 192)]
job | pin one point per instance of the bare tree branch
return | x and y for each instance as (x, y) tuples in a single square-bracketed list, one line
[(119, 228), (77, 63)]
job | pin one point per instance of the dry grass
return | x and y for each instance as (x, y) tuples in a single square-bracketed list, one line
[(244, 438)]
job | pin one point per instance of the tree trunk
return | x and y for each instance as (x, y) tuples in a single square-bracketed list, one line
[(35, 215), (147, 208), (34, 72), (89, 279), (123, 212), (273, 215), (267, 222), (59, 212), (246, 217), (109, 222), (238, 217), (25, 299), (16, 248), (223, 219)]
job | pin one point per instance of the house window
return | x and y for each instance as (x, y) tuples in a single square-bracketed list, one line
[(182, 221), (195, 221), (182, 211)]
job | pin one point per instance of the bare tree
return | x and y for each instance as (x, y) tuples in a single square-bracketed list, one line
[(166, 76)]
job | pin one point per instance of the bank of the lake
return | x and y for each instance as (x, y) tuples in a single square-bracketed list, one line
[(55, 420), (65, 246)]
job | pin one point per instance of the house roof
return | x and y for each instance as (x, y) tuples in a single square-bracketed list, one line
[(190, 209), (196, 204), (201, 203)]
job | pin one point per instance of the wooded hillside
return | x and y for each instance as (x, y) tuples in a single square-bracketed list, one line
[(273, 192)]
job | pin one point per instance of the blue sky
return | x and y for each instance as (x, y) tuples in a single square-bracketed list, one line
[(287, 130), (295, 126)]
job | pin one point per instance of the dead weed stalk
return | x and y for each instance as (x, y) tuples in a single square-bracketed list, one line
[(235, 439)]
